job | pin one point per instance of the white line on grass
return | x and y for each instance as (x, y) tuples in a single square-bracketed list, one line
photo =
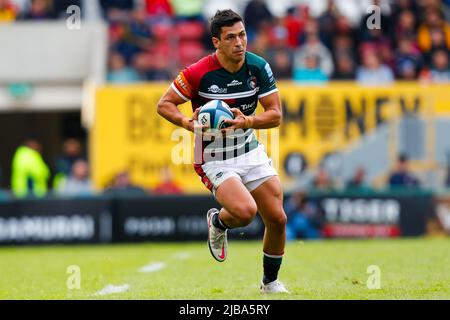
[(152, 267), (110, 289), (182, 255)]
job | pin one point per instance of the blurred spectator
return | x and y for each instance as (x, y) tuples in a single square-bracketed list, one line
[(119, 71), (132, 36), (440, 69), (327, 24), (408, 60), (278, 34), (433, 22), (345, 68), (313, 47), (261, 42), (151, 67), (256, 13), (138, 32), (310, 72), (167, 184), (158, 8), (78, 182), (343, 44), (141, 66), (139, 29), (39, 10), (439, 72), (402, 177), (30, 173), (160, 70), (71, 152), (437, 43), (304, 219), (323, 181), (400, 6), (387, 55), (406, 69), (294, 22), (8, 12), (357, 182), (121, 183), (280, 60), (344, 28), (372, 72), (406, 25)]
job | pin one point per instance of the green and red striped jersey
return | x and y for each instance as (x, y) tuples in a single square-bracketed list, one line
[(207, 80)]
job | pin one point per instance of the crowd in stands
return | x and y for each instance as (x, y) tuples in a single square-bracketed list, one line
[(306, 217), (69, 175), (153, 39)]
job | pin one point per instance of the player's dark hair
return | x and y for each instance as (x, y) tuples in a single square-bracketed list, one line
[(223, 18), (403, 157)]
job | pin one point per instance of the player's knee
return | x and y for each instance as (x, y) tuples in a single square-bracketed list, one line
[(245, 213), (282, 220), (278, 221)]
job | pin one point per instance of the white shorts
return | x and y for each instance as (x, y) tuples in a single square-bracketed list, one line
[(252, 168)]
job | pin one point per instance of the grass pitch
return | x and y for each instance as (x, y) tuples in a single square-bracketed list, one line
[(337, 269)]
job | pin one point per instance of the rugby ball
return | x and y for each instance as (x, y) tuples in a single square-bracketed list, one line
[(214, 113)]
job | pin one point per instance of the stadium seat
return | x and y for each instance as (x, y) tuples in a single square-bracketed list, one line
[(190, 30), (190, 52), (162, 31), (162, 48)]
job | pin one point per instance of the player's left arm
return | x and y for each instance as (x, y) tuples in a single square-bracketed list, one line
[(270, 118)]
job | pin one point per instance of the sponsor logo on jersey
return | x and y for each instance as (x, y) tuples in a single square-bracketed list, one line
[(181, 83), (215, 89), (234, 83), (251, 82), (247, 106)]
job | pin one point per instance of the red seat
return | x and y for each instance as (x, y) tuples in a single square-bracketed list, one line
[(190, 52), (163, 31), (190, 30), (162, 48)]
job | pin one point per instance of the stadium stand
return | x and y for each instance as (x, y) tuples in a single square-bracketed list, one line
[(414, 39), (306, 42)]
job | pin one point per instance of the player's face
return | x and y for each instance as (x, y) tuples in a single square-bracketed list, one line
[(233, 42)]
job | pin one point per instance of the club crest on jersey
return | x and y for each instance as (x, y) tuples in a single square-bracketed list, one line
[(215, 89), (251, 82)]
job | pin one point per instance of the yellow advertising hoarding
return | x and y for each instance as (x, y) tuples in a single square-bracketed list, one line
[(128, 134)]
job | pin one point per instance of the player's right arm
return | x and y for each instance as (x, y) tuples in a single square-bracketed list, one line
[(180, 91), (168, 109)]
